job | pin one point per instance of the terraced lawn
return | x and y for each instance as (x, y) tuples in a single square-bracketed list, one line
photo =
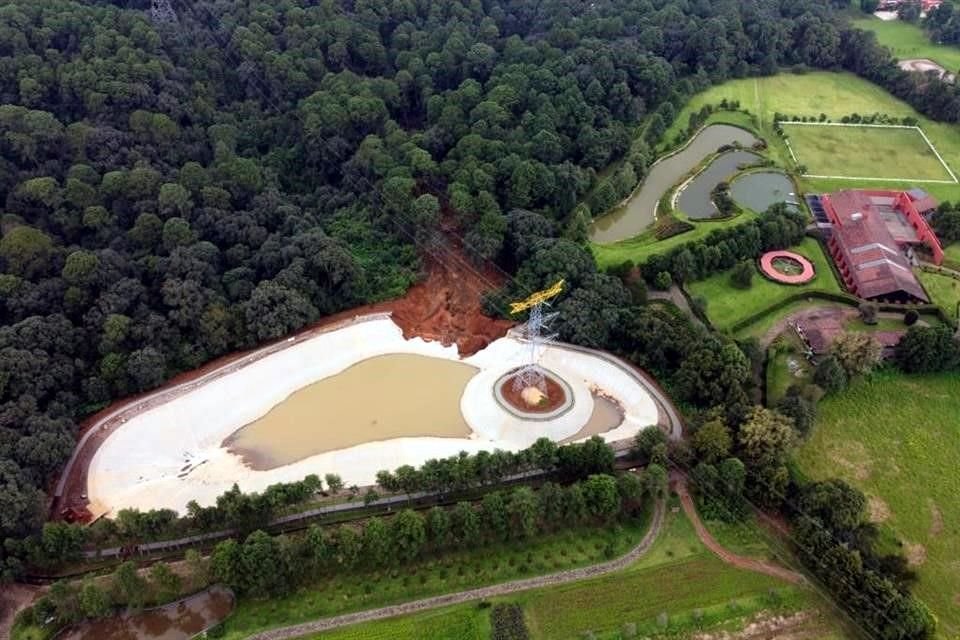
[(897, 438), (727, 305)]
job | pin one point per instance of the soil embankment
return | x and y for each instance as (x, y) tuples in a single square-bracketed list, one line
[(446, 306)]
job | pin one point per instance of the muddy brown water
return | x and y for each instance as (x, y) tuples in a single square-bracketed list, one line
[(178, 621), (389, 396), (607, 415)]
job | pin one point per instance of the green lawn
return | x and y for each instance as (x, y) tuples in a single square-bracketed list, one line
[(463, 622), (727, 305), (358, 590), (864, 152), (780, 375), (897, 438), (678, 577), (944, 291), (836, 95), (952, 251), (908, 41)]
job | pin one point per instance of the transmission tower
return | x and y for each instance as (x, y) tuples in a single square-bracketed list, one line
[(535, 331), (161, 12)]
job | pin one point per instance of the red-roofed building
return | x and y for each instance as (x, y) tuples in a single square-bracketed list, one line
[(872, 231)]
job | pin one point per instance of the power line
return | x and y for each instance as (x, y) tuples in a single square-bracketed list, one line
[(511, 279)]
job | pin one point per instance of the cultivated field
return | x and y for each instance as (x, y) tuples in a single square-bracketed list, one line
[(727, 305), (865, 152), (897, 438)]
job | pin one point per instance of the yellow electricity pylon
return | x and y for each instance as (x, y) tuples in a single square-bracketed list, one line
[(539, 297)]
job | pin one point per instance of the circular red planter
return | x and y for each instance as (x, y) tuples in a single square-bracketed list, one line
[(806, 267)]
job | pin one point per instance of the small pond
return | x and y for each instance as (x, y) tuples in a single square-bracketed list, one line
[(759, 190), (695, 200), (640, 211), (390, 396), (176, 621)]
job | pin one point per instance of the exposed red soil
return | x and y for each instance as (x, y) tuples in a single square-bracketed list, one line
[(556, 396), (741, 562), (446, 306)]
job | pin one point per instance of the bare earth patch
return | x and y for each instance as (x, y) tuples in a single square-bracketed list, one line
[(878, 511), (936, 519), (916, 553), (798, 626), (854, 458)]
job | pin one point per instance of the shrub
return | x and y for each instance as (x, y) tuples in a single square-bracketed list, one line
[(663, 280), (507, 623), (868, 312), (830, 376), (910, 317), (742, 275)]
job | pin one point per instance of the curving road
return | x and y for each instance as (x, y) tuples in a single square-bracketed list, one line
[(561, 577)]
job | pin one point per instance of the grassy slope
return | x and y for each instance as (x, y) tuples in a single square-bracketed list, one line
[(944, 291), (727, 305), (952, 251), (909, 41), (678, 576), (836, 95), (881, 153), (898, 437)]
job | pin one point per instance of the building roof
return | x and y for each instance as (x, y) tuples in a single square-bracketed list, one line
[(870, 251)]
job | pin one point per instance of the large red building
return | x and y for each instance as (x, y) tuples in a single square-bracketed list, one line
[(872, 240)]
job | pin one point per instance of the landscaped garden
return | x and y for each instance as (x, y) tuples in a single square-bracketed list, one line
[(677, 588), (727, 304), (897, 438)]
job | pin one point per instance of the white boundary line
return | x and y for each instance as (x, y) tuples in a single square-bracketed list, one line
[(923, 180), (943, 163)]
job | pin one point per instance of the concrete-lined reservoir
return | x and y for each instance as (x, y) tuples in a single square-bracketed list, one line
[(391, 396), (761, 189), (640, 210), (695, 200), (351, 401), (175, 621)]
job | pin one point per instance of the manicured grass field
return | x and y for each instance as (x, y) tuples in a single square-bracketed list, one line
[(944, 291), (678, 577), (908, 41), (952, 251), (897, 438), (864, 152), (836, 95), (364, 589), (727, 305)]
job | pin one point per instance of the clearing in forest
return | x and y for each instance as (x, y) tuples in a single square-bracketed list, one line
[(865, 152)]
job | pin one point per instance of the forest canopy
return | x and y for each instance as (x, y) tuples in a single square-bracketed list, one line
[(173, 191)]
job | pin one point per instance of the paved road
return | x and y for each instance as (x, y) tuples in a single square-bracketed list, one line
[(562, 577)]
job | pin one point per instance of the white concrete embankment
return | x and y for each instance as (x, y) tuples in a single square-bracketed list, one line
[(172, 453)]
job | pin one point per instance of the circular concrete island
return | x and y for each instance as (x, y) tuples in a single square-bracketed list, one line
[(786, 267), (352, 401)]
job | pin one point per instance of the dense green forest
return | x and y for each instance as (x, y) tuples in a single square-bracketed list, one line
[(173, 191)]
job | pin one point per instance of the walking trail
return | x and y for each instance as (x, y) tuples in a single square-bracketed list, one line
[(741, 562)]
